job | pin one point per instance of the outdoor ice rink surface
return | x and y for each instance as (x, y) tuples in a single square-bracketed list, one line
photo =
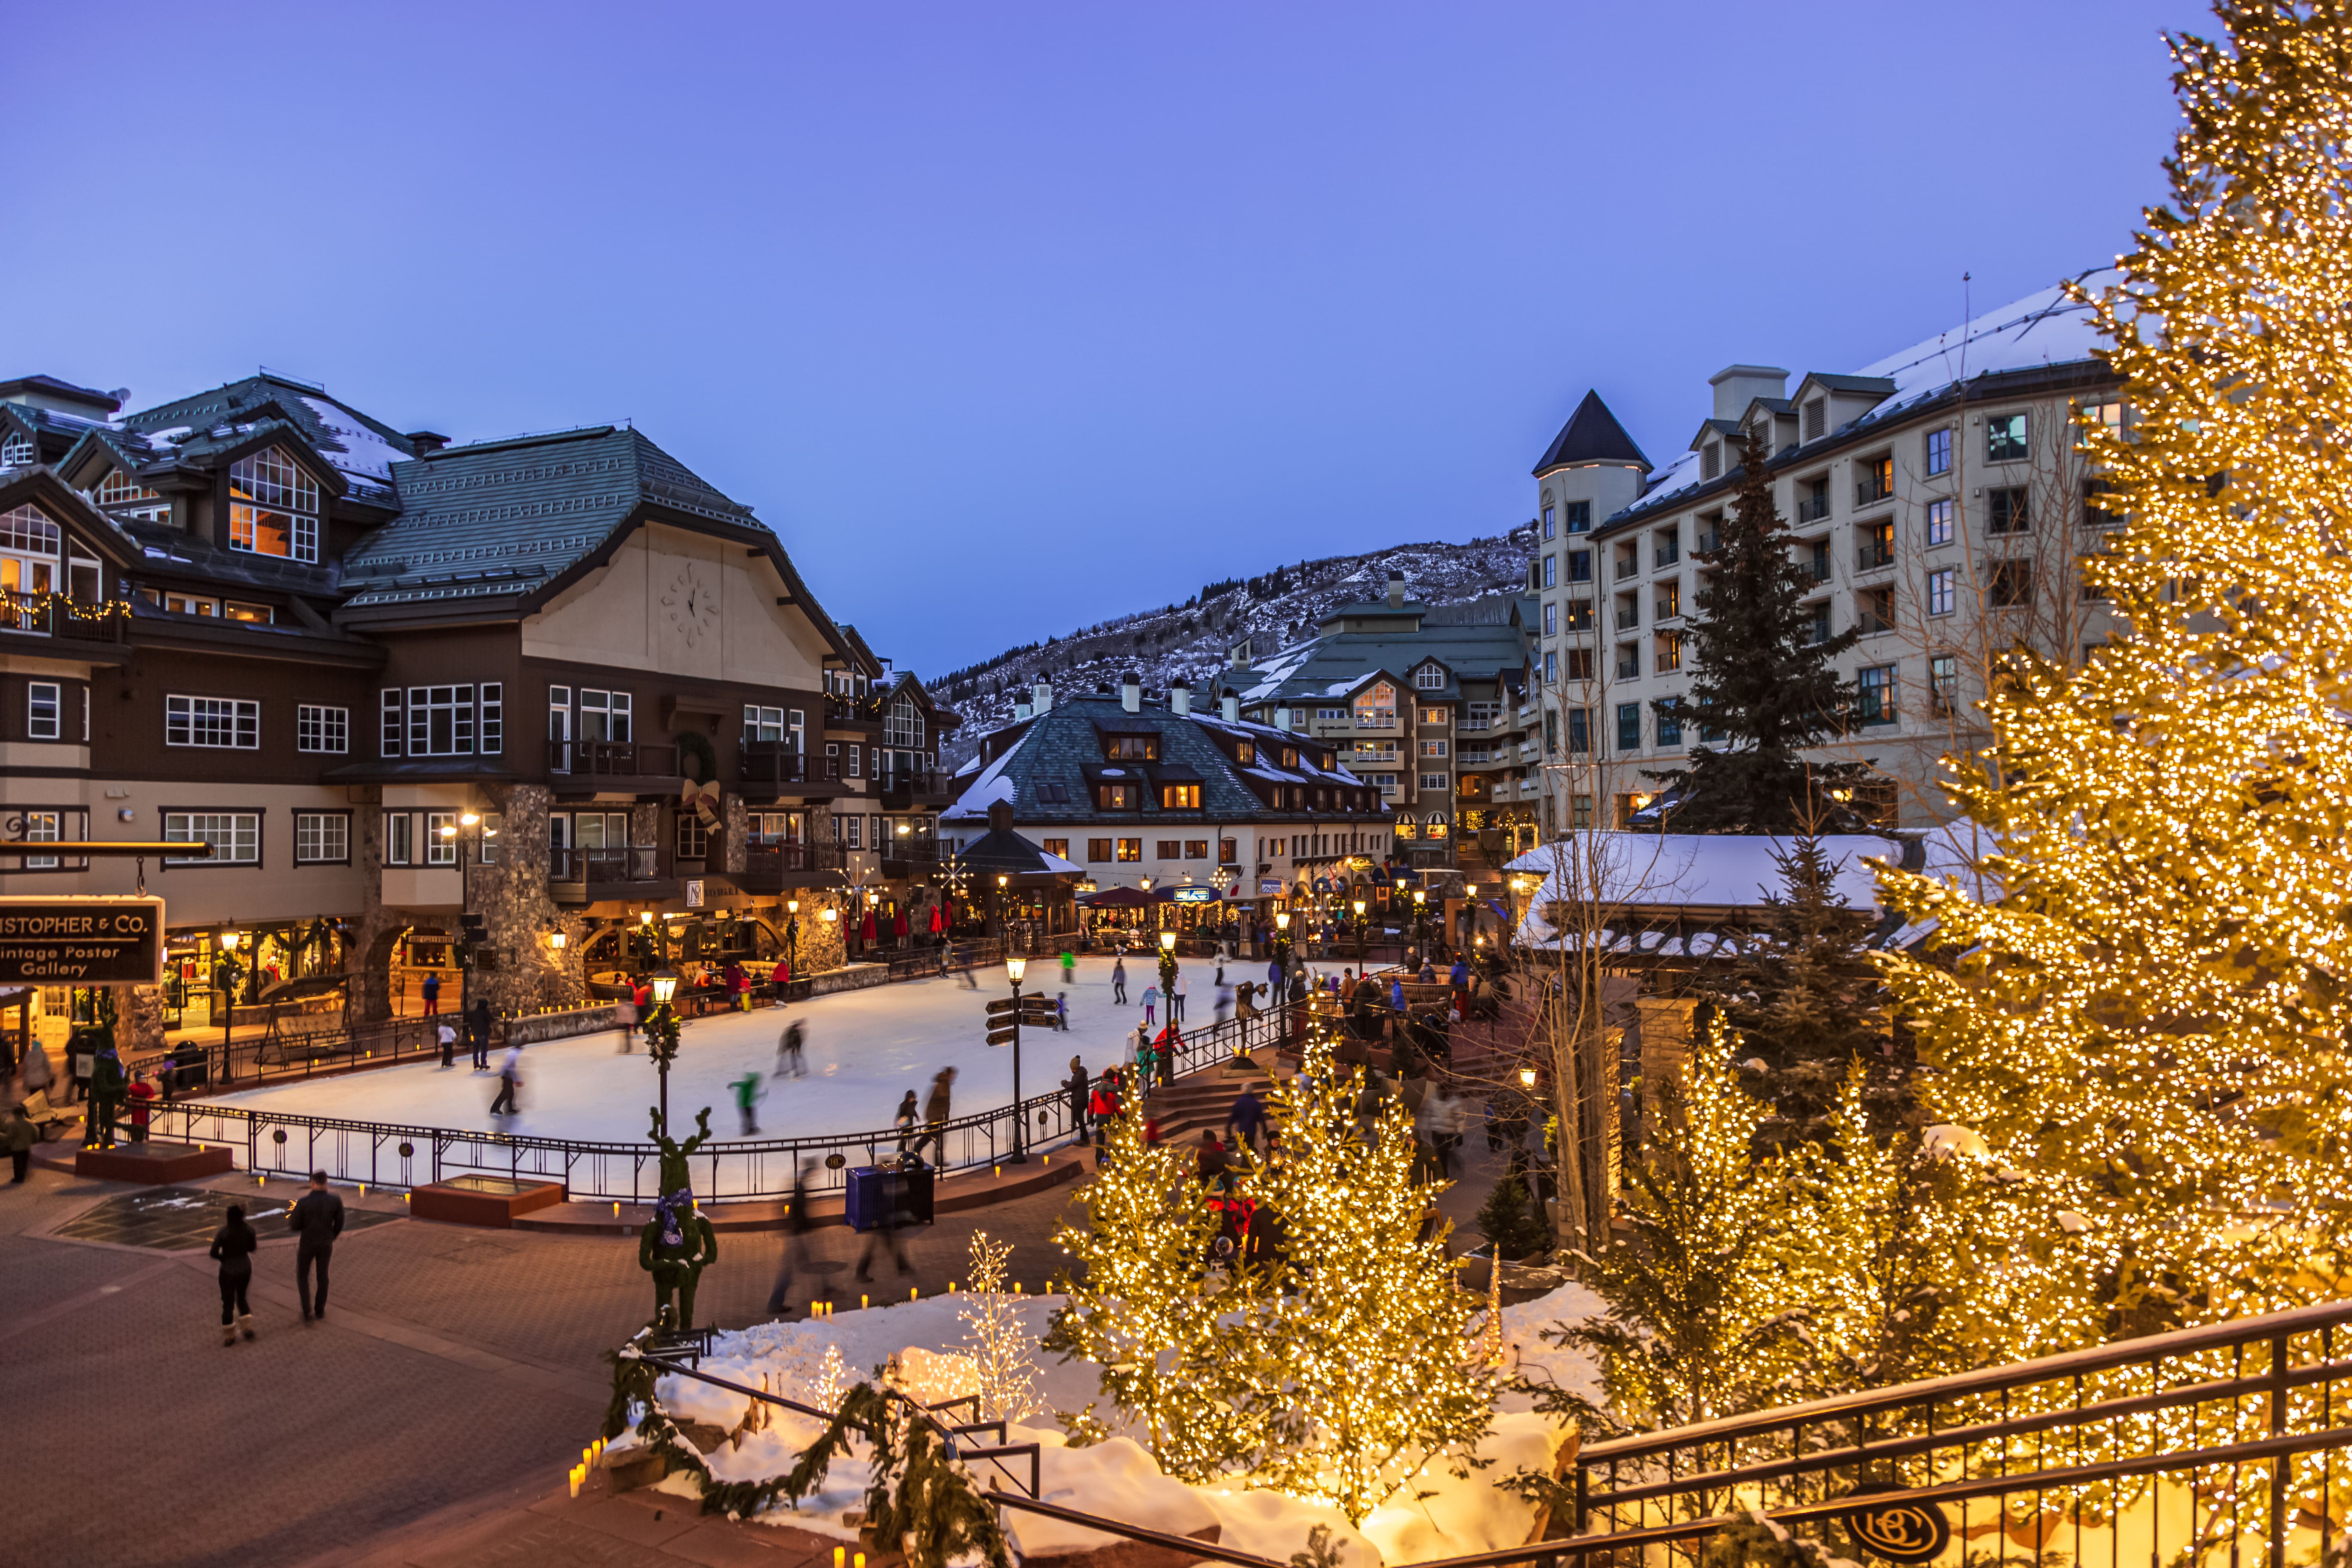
[(865, 1049)]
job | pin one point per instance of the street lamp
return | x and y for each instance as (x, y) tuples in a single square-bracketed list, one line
[(1015, 966), (1359, 938), (1420, 912), (662, 1037), (228, 941), (1282, 941), (1168, 973)]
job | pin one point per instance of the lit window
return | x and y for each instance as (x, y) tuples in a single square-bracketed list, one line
[(273, 507), (226, 721), (322, 729), (1130, 849), (29, 550), (1429, 678), (1180, 797), (1943, 684), (1376, 707), (1874, 694)]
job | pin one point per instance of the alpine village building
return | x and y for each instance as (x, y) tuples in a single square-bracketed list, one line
[(1936, 499), (529, 714)]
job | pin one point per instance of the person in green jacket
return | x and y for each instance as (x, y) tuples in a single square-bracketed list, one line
[(747, 1100)]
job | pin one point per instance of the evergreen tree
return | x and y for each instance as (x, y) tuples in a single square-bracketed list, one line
[(1760, 684), (1805, 999), (2146, 1028), (1509, 1220)]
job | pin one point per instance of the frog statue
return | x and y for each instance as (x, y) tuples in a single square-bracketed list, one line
[(677, 1243)]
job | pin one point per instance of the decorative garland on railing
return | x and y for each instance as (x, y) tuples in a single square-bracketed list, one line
[(920, 1499)]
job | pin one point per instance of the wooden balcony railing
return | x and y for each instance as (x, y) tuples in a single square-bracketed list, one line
[(612, 759)]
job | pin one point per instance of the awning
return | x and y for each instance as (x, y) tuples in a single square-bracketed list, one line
[(1116, 898)]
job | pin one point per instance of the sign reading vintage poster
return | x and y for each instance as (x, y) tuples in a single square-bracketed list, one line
[(81, 942)]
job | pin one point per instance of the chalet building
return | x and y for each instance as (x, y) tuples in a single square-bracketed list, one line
[(1935, 498), (1150, 793), (1430, 707), (498, 702)]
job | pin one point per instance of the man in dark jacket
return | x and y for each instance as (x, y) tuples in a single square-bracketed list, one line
[(1247, 1116), (479, 1024), (316, 1220), (1075, 1088)]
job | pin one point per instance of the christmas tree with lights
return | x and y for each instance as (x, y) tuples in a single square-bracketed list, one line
[(2146, 1027)]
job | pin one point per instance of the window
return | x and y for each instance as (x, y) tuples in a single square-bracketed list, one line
[(1433, 748), (1550, 671), (227, 722), (1180, 797), (1130, 849), (1873, 480), (693, 838), (1666, 546), (1060, 847), (1196, 849), (1670, 652), (17, 452), (1940, 595), (1435, 716), (1579, 731), (322, 729), (1940, 523), (1551, 522), (2096, 513), (1817, 627), (440, 720), (1817, 418), (604, 715), (51, 828), (1229, 851), (1580, 566), (1629, 661), (2005, 438), (1875, 610), (441, 838), (1670, 601), (1480, 715), (2009, 511), (1874, 694), (322, 838), (1670, 722), (251, 615), (491, 732), (1817, 561), (2107, 416), (1140, 748), (857, 758), (486, 842), (902, 726), (399, 848), (1551, 570), (1579, 811), (1579, 615), (1376, 707), (1171, 849), (273, 507), (1710, 460), (1813, 501), (1330, 715), (1939, 452), (29, 550), (764, 723), (1944, 684), (1873, 546), (43, 705), (849, 832), (1099, 849), (2011, 586), (235, 836), (1429, 678), (1119, 796), (1433, 781)]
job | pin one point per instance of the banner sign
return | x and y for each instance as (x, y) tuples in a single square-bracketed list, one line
[(81, 942), (1269, 887), (1194, 896)]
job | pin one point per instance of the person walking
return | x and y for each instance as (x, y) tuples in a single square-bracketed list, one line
[(448, 1033), (19, 1133), (1075, 1094), (1176, 1002), (1147, 1057), (634, 1009), (1103, 1108), (233, 1248), (1170, 1044), (432, 993), (39, 1075), (903, 1119), (1151, 1006), (479, 1024), (1062, 1011), (1246, 1116), (509, 1078), (935, 1115), (746, 1091), (317, 1219), (1118, 980), (797, 1225)]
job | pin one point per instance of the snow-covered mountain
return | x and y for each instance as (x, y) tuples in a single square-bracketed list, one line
[(1192, 639)]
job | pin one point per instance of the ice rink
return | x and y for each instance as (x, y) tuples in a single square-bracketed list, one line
[(865, 1049)]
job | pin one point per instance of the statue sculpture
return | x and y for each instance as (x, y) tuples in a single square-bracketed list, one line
[(677, 1243)]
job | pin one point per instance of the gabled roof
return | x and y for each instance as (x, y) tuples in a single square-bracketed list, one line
[(361, 449), (1330, 667), (49, 385), (1591, 435)]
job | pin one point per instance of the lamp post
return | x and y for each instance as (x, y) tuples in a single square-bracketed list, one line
[(1015, 968), (451, 834), (662, 1037), (228, 968), (1359, 939), (1168, 973), (1419, 913), (1282, 941)]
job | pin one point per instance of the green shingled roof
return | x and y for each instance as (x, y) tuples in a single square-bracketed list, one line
[(1488, 640)]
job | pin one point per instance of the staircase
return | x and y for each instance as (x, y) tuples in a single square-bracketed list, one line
[(1200, 1099)]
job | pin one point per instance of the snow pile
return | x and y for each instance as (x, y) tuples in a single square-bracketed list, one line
[(1436, 1514)]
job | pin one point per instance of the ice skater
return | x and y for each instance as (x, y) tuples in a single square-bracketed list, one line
[(509, 1080), (747, 1091), (1118, 980), (1176, 1000), (1062, 1011), (1151, 1006), (789, 1059), (797, 1225)]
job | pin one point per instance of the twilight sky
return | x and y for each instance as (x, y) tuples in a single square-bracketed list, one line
[(1010, 316)]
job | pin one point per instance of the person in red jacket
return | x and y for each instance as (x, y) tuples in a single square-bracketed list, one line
[(141, 1093), (1104, 1104)]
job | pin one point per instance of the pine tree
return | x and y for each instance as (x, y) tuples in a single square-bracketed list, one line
[(1806, 1001), (1760, 681), (1701, 1318), (2147, 1027), (1508, 1219)]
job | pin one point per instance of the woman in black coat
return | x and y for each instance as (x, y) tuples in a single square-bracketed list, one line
[(233, 1246), (1075, 1088)]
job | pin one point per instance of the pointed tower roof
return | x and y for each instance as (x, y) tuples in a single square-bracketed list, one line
[(1591, 435)]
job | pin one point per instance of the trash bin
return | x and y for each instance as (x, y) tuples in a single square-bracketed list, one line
[(871, 1189)]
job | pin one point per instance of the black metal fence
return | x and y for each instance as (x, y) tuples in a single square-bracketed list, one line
[(2202, 1446), (393, 1156)]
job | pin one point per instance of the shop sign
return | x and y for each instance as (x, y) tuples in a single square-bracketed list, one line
[(694, 893), (1269, 887), (1194, 896), (86, 940)]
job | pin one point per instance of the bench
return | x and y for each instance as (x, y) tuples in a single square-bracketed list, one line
[(43, 1116)]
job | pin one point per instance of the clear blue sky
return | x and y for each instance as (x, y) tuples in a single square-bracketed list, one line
[(1012, 316)]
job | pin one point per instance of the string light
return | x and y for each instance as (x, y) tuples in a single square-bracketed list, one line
[(999, 1344)]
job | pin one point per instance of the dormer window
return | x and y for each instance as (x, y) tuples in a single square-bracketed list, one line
[(1817, 418), (1132, 748), (1376, 707), (1710, 460), (1180, 797), (29, 550), (1289, 756), (1119, 796), (1429, 678), (1244, 753), (273, 507), (121, 494)]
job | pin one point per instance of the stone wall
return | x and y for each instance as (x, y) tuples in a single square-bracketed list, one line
[(511, 895)]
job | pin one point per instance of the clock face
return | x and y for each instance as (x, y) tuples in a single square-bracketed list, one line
[(692, 604)]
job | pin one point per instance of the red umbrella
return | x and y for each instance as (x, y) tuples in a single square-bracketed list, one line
[(865, 931), (939, 922), (898, 924)]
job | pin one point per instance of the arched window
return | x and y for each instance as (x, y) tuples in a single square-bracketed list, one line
[(15, 451), (273, 507), (126, 498), (29, 550), (1429, 678), (1376, 707), (903, 725)]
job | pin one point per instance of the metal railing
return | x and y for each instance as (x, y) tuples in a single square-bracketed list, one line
[(639, 863), (777, 858), (400, 1156), (1872, 554), (1667, 553), (2200, 1446), (612, 759), (775, 763), (1812, 508)]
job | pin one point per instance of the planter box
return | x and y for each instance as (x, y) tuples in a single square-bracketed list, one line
[(154, 1164), (488, 1200)]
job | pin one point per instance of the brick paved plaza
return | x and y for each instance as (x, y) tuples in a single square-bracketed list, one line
[(427, 1421)]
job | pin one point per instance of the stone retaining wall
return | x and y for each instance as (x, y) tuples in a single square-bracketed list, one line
[(530, 1028)]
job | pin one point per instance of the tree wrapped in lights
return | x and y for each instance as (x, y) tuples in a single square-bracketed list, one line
[(995, 1337), (2147, 1025), (1377, 1374)]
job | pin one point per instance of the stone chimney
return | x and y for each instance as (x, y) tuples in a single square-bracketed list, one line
[(1396, 589), (1130, 693), (1232, 709), (428, 442), (1179, 697), (1738, 386), (1041, 696)]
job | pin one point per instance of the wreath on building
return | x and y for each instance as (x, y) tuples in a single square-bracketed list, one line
[(695, 745)]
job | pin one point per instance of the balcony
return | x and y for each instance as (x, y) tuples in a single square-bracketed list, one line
[(900, 789), (1872, 488), (1813, 508), (908, 855), (775, 865), (1627, 565), (1872, 554), (585, 875), (45, 616), (1818, 567), (1707, 543), (852, 710), (1628, 616), (628, 763), (778, 767), (1668, 552)]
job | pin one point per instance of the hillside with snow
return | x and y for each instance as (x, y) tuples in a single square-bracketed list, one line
[(1193, 639)]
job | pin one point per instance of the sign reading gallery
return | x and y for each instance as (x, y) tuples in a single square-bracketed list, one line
[(81, 942)]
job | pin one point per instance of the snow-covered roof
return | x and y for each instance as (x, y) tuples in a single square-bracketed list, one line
[(1682, 869)]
